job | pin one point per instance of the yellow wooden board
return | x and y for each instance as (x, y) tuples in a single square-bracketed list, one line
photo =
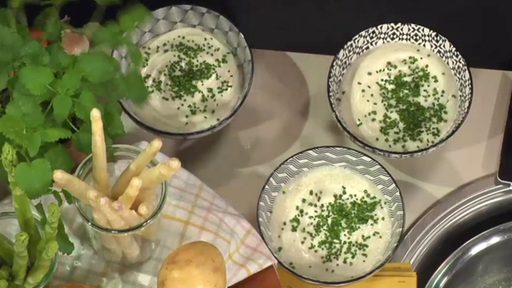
[(393, 275), (404, 267)]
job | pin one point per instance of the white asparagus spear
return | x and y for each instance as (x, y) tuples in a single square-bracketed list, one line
[(131, 217), (134, 219), (135, 168), (73, 185), (146, 210), (153, 177), (128, 244), (131, 193), (99, 154), (111, 255), (108, 241)]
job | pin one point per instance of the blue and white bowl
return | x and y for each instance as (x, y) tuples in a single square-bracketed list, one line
[(390, 33), (339, 157), (180, 16)]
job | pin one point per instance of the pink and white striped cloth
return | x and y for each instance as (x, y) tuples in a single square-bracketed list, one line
[(193, 212)]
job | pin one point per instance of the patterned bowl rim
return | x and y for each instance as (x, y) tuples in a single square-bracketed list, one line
[(333, 283), (384, 152), (218, 125)]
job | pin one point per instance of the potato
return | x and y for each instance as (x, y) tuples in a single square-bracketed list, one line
[(194, 265)]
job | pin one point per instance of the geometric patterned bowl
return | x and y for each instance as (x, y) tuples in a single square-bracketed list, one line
[(180, 16), (339, 157), (389, 33)]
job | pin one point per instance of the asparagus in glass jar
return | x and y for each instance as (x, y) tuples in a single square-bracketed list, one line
[(125, 233)]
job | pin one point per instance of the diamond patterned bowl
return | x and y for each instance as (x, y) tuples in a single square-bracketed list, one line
[(180, 16), (339, 157), (388, 33)]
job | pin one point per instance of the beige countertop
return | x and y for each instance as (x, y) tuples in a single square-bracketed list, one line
[(287, 111)]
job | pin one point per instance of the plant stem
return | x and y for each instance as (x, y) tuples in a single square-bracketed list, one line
[(24, 154), (98, 14), (51, 88), (48, 108), (12, 19), (72, 126), (21, 16)]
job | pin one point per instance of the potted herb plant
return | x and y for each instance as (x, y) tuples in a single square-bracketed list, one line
[(50, 79)]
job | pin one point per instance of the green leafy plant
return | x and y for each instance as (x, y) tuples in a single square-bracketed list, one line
[(46, 96)]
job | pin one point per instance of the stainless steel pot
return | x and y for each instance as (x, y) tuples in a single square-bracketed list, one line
[(453, 221), (484, 262)]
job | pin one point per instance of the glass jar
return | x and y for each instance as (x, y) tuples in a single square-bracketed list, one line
[(10, 227), (133, 245)]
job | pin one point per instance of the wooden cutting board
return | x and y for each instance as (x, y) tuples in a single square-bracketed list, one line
[(266, 278), (393, 275)]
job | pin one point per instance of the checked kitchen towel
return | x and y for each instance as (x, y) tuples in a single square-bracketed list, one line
[(193, 212)]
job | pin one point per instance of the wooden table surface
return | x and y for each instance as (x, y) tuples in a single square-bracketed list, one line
[(287, 111)]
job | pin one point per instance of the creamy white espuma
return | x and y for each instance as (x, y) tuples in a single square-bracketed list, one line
[(403, 97), (330, 224), (193, 80)]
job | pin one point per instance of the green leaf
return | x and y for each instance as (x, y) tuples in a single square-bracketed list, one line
[(108, 141), (109, 36), (53, 134), (10, 44), (90, 28), (33, 143), (57, 197), (65, 245), (59, 59), (21, 91), (28, 110), (134, 88), (20, 3), (3, 172), (130, 17), (33, 53), (61, 107), (135, 54), (82, 140), (69, 198), (60, 3), (7, 18), (86, 102), (49, 22), (108, 2), (36, 78), (13, 127), (3, 80), (113, 88), (34, 178), (53, 30), (112, 122), (71, 80), (60, 158), (97, 66)]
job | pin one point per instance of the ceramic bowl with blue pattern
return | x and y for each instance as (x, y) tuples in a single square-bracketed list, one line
[(396, 33)]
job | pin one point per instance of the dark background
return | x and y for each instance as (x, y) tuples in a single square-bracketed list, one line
[(480, 29)]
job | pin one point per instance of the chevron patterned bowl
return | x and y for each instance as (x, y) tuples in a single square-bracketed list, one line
[(390, 33), (339, 157), (179, 16)]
